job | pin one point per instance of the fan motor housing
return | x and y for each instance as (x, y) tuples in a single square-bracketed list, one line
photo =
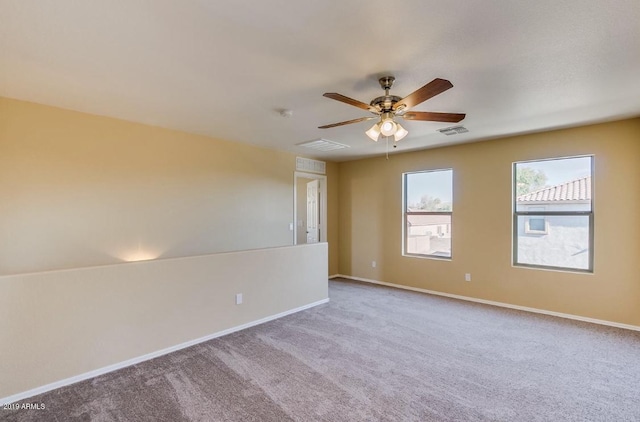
[(385, 102)]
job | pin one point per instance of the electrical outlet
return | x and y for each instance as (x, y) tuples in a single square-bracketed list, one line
[(467, 277), (239, 299), (373, 264)]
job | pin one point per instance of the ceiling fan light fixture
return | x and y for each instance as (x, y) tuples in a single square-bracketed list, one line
[(387, 126), (374, 132), (400, 133)]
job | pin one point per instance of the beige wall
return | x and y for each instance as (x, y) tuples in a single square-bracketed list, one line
[(79, 190), (370, 216), (333, 221), (61, 324)]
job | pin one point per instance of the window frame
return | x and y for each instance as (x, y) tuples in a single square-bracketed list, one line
[(545, 214), (406, 214)]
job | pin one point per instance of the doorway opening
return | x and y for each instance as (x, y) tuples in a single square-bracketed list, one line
[(309, 208)]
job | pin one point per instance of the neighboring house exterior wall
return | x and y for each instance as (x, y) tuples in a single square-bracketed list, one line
[(429, 234), (561, 241)]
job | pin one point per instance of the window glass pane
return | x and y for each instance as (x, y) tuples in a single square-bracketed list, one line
[(429, 235), (562, 242), (430, 191), (560, 185)]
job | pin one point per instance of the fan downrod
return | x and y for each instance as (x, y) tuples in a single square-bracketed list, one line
[(386, 82), (385, 103)]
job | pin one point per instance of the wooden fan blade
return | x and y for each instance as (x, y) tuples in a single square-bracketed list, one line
[(433, 88), (434, 117), (350, 101), (348, 122)]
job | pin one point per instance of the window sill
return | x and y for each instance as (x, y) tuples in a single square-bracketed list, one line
[(552, 269), (435, 257)]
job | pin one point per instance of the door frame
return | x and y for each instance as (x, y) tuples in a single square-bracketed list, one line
[(322, 189)]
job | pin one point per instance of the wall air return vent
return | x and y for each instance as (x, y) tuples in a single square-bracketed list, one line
[(454, 130), (308, 165)]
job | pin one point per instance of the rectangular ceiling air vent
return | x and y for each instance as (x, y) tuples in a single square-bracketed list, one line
[(322, 145), (453, 130)]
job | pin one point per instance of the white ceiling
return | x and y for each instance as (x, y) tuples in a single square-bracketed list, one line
[(226, 68)]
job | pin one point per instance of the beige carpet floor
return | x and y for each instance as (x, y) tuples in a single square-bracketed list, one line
[(375, 354)]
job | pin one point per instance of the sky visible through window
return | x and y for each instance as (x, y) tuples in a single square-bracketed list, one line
[(436, 184), (559, 171)]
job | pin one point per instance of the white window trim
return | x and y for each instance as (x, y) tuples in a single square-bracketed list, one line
[(515, 214), (405, 214)]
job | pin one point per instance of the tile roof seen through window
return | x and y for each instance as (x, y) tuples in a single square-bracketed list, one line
[(574, 190)]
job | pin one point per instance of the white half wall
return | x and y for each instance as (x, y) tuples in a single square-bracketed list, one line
[(61, 324)]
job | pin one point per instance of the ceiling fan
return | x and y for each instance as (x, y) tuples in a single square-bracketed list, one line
[(387, 107)]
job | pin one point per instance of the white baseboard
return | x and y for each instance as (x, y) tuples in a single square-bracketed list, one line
[(500, 304), (335, 276), (91, 374)]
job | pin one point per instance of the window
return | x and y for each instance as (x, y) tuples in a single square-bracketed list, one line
[(428, 204), (553, 213), (535, 224)]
